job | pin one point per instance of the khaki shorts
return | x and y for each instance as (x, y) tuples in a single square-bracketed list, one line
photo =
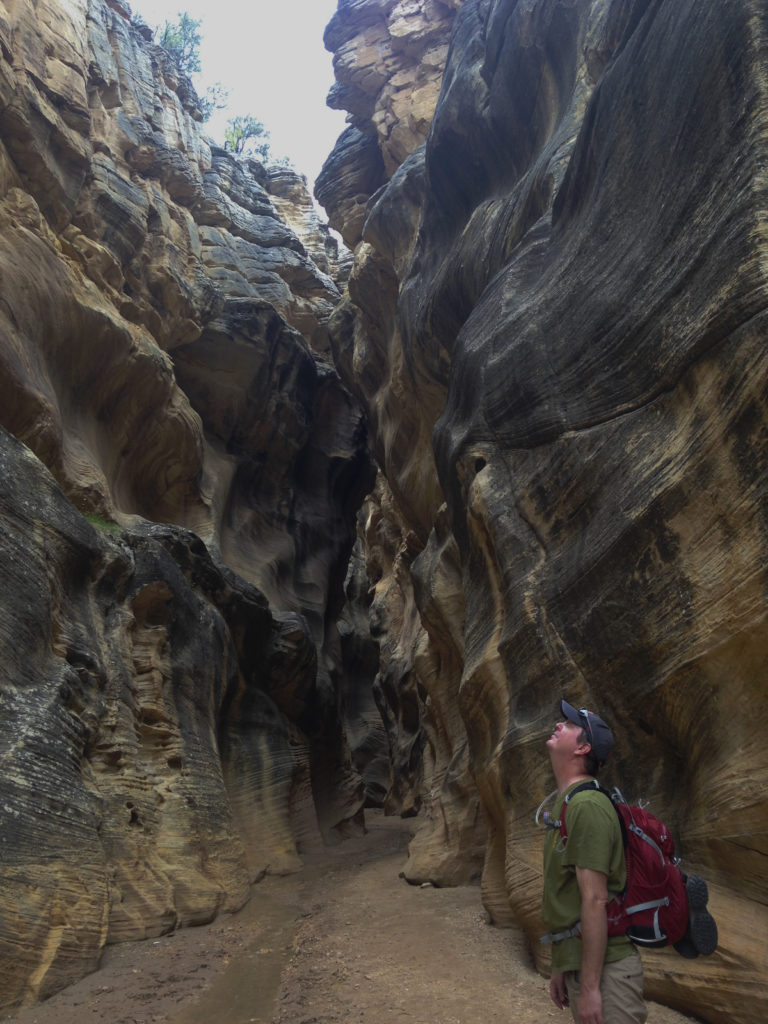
[(621, 987)]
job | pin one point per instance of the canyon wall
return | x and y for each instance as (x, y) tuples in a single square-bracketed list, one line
[(556, 323), (181, 473), (282, 537)]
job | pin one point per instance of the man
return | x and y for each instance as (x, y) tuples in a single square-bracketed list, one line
[(600, 978)]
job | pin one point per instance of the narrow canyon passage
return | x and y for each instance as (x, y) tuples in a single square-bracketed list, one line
[(321, 494), (345, 940)]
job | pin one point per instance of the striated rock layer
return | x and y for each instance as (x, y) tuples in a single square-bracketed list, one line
[(555, 321), (170, 720)]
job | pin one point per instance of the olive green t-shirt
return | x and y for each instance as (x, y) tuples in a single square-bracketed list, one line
[(593, 841)]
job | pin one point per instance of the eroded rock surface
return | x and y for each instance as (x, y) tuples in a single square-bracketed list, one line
[(553, 328), (388, 58), (555, 322), (170, 724)]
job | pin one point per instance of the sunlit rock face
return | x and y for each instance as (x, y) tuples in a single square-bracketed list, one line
[(556, 320), (388, 58), (170, 720)]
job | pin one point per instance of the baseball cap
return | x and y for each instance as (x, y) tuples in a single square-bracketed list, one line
[(599, 735)]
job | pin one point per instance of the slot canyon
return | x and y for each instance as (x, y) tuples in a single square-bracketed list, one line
[(308, 516)]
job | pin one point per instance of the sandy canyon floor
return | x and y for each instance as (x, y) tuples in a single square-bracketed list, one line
[(346, 940)]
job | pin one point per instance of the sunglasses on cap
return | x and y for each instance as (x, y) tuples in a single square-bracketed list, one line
[(584, 714)]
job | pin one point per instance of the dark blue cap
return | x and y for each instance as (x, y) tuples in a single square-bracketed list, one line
[(599, 735)]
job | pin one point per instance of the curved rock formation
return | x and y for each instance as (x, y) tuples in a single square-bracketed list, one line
[(170, 723), (565, 289), (552, 330)]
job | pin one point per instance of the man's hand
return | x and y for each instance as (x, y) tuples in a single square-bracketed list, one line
[(591, 1007), (558, 991)]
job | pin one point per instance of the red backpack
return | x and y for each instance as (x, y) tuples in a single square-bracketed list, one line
[(653, 908)]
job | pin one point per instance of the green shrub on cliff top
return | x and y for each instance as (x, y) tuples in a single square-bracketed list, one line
[(244, 134), (181, 39)]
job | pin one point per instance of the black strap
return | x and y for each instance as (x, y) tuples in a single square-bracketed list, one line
[(589, 784), (593, 784)]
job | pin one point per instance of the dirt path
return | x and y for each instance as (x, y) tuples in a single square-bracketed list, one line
[(345, 941)]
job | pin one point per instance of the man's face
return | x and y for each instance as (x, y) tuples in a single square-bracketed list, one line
[(566, 740)]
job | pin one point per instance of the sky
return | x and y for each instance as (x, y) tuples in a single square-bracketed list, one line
[(269, 54)]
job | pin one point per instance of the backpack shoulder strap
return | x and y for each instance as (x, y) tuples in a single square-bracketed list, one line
[(594, 785)]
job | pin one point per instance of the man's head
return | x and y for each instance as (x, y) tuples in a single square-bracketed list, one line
[(597, 734)]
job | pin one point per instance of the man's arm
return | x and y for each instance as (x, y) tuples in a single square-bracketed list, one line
[(593, 890)]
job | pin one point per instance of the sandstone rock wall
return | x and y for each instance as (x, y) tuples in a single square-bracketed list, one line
[(553, 328), (555, 321), (388, 58), (414, 673), (170, 723)]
